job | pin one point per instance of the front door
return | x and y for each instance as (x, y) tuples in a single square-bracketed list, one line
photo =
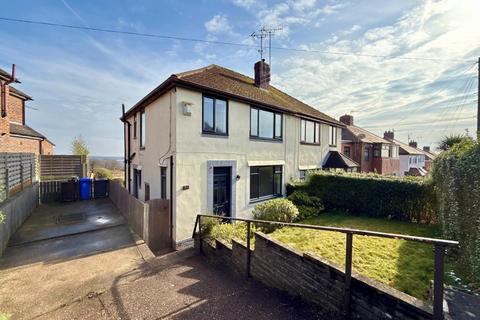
[(222, 191), (135, 183)]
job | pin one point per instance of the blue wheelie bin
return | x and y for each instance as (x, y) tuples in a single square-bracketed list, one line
[(85, 188)]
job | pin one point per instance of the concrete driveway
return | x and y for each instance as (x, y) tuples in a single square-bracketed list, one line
[(80, 261)]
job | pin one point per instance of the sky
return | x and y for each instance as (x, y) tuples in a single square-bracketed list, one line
[(79, 79)]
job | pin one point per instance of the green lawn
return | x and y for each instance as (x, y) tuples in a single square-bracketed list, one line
[(404, 265)]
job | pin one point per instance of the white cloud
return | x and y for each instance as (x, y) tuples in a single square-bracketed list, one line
[(244, 3), (423, 98), (218, 24)]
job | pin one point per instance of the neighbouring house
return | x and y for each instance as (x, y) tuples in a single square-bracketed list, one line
[(430, 157), (216, 141), (371, 152), (412, 159), (15, 135)]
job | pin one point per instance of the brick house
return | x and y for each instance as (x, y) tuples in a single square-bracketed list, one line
[(15, 135), (371, 152)]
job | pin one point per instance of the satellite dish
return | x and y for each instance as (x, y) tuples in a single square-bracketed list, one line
[(361, 136)]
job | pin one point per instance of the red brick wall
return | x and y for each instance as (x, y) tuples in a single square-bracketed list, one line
[(15, 144), (15, 107), (386, 165), (47, 147)]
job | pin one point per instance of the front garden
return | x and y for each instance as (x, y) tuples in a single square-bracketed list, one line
[(404, 265)]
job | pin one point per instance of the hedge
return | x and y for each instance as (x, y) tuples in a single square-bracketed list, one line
[(372, 194), (456, 176)]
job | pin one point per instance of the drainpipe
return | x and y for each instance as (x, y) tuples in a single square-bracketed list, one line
[(126, 149)]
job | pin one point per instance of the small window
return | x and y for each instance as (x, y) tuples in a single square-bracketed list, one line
[(310, 131), (303, 174), (390, 152), (333, 136), (346, 151), (135, 126), (163, 182), (265, 182), (215, 116), (265, 124), (142, 129), (377, 153)]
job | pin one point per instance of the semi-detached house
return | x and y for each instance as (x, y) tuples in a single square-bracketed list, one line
[(215, 141)]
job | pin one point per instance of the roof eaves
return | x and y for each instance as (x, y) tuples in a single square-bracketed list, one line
[(190, 85)]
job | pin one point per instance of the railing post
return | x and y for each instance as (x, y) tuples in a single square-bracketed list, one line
[(438, 283), (248, 247), (348, 274), (200, 244)]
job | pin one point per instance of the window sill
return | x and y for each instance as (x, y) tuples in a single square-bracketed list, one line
[(309, 143), (253, 201), (266, 139), (142, 148), (332, 145), (214, 135)]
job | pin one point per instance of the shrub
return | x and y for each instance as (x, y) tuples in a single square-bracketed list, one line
[(282, 210), (213, 229), (307, 205), (102, 173), (456, 176), (372, 194)]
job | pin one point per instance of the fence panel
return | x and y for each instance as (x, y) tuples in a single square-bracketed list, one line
[(58, 167), (17, 170)]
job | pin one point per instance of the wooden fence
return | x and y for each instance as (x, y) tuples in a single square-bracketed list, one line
[(150, 220), (17, 171), (58, 167)]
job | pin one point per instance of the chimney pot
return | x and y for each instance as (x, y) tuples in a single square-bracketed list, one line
[(413, 144), (262, 74), (389, 135), (426, 148), (347, 119)]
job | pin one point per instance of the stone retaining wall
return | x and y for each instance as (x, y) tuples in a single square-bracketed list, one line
[(316, 280)]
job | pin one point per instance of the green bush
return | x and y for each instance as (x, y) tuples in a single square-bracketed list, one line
[(308, 206), (372, 194), (282, 210), (213, 229), (456, 176), (102, 173)]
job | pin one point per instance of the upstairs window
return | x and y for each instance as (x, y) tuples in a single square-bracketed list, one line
[(142, 129), (366, 154), (310, 132), (215, 116), (265, 124), (333, 136), (346, 151)]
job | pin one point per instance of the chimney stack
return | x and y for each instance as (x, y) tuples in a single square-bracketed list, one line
[(426, 148), (262, 74), (389, 135), (413, 144), (347, 119)]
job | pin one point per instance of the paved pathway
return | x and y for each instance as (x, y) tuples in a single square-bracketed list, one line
[(102, 273)]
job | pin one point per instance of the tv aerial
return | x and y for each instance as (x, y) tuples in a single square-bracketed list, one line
[(266, 33)]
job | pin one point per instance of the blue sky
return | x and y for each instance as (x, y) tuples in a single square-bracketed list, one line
[(79, 79)]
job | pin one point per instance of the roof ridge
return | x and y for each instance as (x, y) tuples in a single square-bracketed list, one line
[(362, 129), (194, 71)]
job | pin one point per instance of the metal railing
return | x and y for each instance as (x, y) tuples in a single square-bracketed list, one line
[(439, 244)]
